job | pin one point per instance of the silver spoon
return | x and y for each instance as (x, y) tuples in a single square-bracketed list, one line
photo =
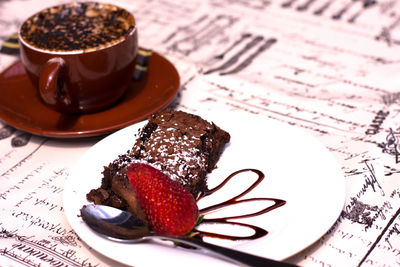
[(123, 226)]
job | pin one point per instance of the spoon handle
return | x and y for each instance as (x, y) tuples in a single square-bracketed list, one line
[(232, 255)]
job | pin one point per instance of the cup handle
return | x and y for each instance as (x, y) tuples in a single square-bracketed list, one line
[(53, 87)]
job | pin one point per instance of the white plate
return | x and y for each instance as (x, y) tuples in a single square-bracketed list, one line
[(298, 169)]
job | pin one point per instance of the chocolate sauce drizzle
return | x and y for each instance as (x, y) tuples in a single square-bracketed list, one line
[(258, 232)]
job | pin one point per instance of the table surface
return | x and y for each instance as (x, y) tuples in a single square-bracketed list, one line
[(328, 67)]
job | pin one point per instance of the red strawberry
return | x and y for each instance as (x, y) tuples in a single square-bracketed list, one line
[(169, 208)]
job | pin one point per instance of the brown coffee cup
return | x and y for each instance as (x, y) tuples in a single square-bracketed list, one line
[(80, 56)]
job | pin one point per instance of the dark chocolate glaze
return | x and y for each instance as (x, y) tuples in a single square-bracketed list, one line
[(258, 232)]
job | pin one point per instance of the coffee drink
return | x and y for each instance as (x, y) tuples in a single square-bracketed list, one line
[(77, 27), (80, 56)]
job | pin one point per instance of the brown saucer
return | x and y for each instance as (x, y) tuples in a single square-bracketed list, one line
[(21, 107)]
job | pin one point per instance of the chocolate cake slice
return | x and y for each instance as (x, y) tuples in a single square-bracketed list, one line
[(184, 146)]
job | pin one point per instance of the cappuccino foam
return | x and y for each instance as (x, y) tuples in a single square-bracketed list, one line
[(77, 26)]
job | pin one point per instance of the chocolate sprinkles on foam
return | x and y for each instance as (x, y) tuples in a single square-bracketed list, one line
[(77, 26)]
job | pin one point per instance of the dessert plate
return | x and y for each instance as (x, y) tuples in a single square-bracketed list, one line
[(21, 108), (297, 168)]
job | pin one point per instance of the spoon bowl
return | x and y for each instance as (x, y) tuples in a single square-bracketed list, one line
[(123, 226)]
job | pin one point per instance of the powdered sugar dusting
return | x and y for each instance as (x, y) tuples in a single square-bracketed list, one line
[(173, 152)]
